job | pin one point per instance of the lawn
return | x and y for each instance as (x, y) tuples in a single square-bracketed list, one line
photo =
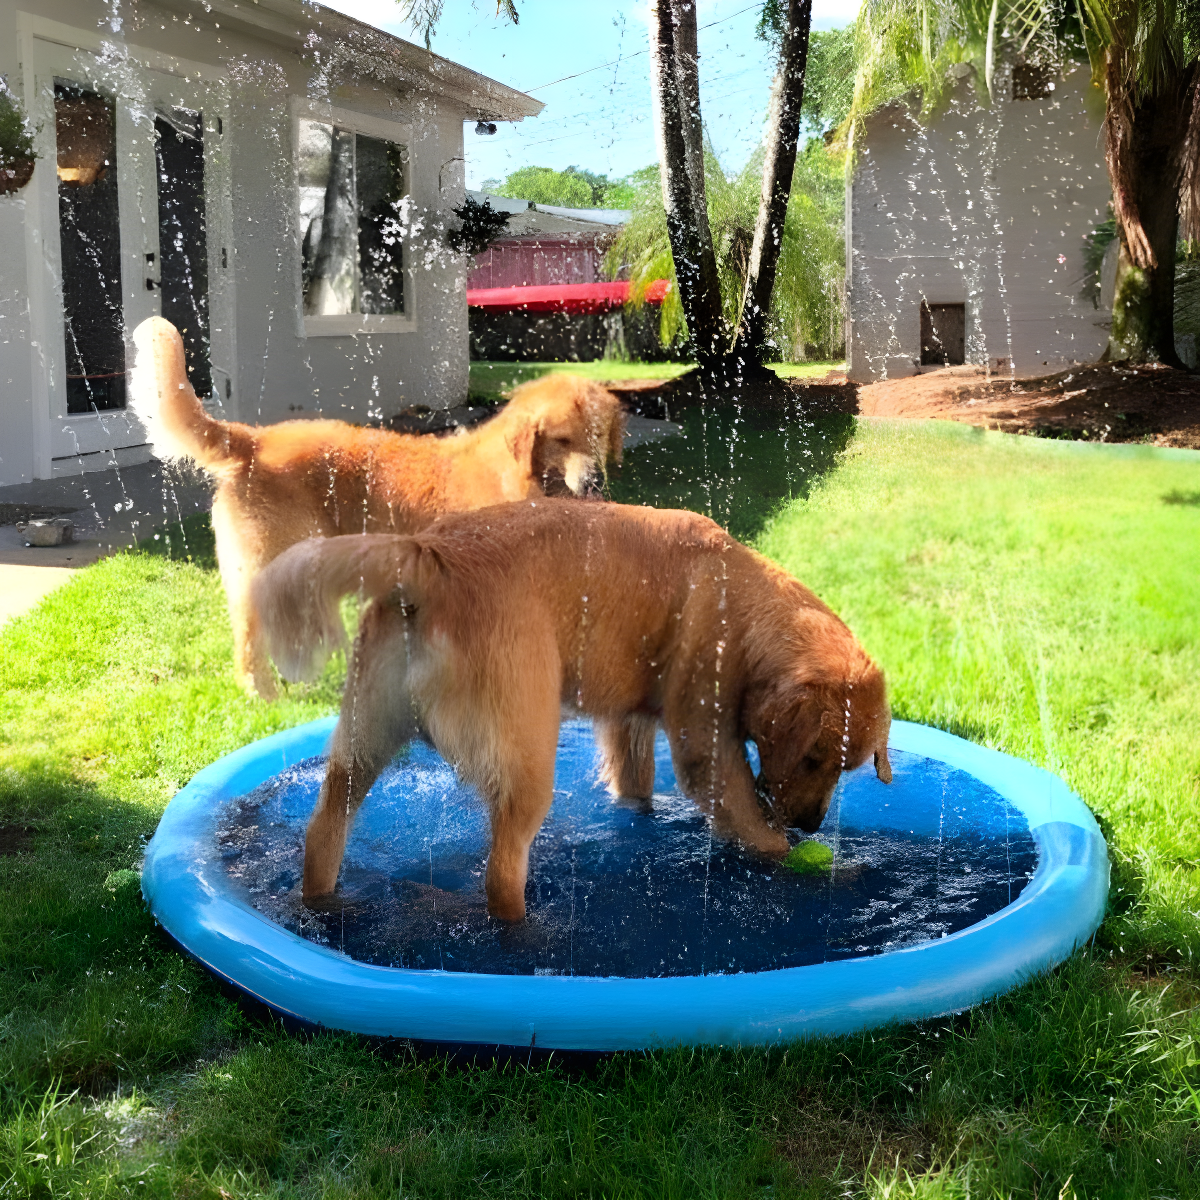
[(490, 381), (1039, 597)]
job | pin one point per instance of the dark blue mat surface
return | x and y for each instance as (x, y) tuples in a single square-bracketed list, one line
[(621, 890)]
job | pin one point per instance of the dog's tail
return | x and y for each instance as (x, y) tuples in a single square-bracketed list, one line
[(296, 595), (164, 401)]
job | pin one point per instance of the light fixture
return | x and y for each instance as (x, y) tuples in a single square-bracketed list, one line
[(485, 128)]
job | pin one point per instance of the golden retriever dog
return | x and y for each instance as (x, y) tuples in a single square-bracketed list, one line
[(279, 484), (483, 627)]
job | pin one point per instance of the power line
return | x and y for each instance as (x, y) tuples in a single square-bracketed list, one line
[(636, 54)]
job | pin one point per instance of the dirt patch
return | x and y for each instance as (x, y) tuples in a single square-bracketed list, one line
[(1102, 402), (14, 839), (826, 1141)]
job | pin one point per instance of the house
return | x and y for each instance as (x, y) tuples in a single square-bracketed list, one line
[(273, 177), (966, 232), (545, 245), (537, 293)]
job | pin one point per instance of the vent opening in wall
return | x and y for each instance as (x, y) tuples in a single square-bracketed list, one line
[(1032, 81), (943, 334)]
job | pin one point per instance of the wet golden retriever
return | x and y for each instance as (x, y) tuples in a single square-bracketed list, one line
[(279, 484), (484, 626)]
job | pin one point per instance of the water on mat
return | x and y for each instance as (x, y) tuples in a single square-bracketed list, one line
[(621, 889)]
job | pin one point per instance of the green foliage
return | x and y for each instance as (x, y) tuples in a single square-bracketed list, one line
[(806, 305), (829, 74), (572, 188), (16, 136), (904, 48), (480, 225)]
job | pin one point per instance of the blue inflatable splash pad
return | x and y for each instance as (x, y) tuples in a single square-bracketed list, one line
[(967, 874)]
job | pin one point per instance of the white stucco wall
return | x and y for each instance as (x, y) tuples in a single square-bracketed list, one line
[(982, 205), (275, 371)]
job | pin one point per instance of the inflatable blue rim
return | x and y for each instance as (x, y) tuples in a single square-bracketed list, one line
[(191, 896)]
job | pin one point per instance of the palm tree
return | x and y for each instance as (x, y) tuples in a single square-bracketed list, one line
[(1145, 53), (726, 351)]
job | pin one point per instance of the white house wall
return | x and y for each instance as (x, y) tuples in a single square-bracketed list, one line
[(987, 206), (278, 371)]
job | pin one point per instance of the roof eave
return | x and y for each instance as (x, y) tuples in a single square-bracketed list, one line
[(315, 31)]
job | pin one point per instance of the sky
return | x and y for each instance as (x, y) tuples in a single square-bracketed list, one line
[(587, 60)]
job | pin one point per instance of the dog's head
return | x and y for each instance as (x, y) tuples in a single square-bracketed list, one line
[(564, 430), (809, 730)]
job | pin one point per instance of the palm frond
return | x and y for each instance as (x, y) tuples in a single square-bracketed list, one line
[(807, 302)]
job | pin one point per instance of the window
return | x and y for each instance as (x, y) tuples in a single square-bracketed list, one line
[(353, 210), (89, 231)]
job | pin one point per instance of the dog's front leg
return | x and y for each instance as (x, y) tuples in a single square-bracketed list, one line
[(378, 716), (712, 770)]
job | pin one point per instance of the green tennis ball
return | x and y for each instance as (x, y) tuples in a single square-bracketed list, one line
[(809, 858)]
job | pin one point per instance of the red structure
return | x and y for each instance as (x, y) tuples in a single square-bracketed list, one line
[(517, 262), (568, 297)]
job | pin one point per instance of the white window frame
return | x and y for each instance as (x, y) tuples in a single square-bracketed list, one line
[(349, 324)]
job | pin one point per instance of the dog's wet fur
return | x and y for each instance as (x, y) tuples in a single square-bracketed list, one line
[(482, 628), (279, 484)]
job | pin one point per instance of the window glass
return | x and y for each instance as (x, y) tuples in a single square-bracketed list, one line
[(90, 240), (352, 193)]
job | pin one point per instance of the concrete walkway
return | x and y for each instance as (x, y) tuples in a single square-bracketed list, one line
[(111, 510)]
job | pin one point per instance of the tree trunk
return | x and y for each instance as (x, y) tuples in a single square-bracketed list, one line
[(675, 87), (1148, 146), (783, 132)]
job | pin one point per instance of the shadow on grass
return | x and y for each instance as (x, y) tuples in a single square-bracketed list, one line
[(738, 467), (91, 990), (190, 540)]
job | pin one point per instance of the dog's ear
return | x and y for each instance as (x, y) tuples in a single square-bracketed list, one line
[(616, 434), (521, 441), (421, 568)]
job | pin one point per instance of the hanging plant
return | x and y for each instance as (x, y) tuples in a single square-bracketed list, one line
[(481, 226), (17, 154)]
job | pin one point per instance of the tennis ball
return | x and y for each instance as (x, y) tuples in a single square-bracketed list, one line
[(809, 858)]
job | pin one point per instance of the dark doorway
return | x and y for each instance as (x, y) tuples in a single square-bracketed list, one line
[(943, 334), (90, 240), (183, 237)]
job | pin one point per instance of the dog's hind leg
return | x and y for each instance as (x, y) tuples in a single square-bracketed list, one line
[(378, 716), (519, 793), (627, 755), (240, 556)]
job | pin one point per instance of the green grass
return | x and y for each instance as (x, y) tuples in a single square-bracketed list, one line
[(1039, 597), (491, 381)]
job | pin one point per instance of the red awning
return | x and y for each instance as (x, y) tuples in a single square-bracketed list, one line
[(562, 297)]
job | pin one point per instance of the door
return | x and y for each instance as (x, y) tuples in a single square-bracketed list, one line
[(134, 223)]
